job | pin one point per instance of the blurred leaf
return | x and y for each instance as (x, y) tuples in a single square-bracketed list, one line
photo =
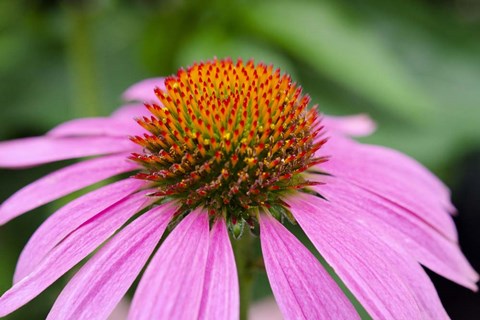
[(118, 61), (212, 41), (343, 49), (441, 53), (12, 46), (9, 11)]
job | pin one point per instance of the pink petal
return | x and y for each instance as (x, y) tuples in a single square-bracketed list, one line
[(98, 287), (97, 127), (388, 158), (39, 150), (67, 219), (121, 310), (143, 90), (302, 287), (70, 251), (220, 299), (131, 112), (265, 309), (359, 125), (393, 176), (172, 285), (385, 280), (62, 182), (421, 241)]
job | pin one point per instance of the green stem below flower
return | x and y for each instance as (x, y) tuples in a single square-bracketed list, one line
[(243, 248)]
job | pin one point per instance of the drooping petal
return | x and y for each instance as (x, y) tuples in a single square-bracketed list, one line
[(67, 219), (143, 90), (388, 158), (110, 127), (97, 288), (302, 287), (393, 176), (131, 112), (425, 244), (357, 125), (387, 282), (34, 151), (62, 182), (220, 299), (70, 251), (172, 285)]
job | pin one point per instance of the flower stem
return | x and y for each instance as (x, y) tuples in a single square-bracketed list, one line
[(243, 257), (82, 63)]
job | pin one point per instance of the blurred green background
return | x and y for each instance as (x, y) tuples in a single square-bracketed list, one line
[(413, 65)]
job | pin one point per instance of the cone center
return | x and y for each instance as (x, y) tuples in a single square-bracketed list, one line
[(229, 137)]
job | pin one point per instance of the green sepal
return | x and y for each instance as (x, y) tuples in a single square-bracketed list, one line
[(237, 228)]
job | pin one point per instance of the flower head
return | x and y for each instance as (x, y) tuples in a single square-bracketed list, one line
[(230, 138), (226, 147)]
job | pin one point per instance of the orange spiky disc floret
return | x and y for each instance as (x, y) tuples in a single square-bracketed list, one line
[(229, 137)]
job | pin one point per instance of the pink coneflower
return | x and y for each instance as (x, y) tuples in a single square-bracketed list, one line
[(231, 148)]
